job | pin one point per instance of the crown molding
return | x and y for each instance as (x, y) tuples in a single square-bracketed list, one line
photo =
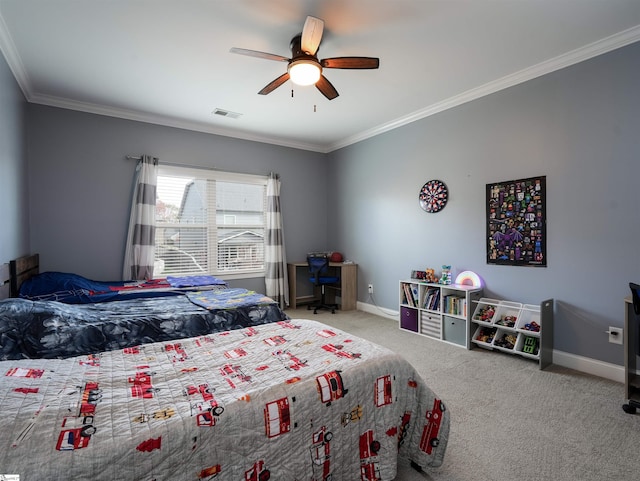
[(137, 116), (581, 54), (618, 40), (8, 49)]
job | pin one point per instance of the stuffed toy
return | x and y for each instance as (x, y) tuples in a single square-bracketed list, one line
[(431, 276)]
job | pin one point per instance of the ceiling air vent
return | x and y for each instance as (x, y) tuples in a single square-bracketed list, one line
[(226, 113)]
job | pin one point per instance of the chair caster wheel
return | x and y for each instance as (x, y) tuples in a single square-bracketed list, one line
[(627, 408)]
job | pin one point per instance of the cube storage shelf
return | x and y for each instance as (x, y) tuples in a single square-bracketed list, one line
[(438, 311), (521, 329)]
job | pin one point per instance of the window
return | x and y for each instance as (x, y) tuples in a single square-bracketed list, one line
[(209, 222)]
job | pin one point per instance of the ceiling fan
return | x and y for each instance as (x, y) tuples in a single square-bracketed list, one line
[(304, 68)]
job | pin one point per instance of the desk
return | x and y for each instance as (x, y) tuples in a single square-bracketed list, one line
[(348, 283)]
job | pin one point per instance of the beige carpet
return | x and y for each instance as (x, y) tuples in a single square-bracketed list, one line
[(509, 420)]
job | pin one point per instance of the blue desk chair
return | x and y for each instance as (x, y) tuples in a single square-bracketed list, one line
[(320, 277)]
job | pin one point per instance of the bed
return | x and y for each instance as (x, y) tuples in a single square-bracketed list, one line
[(49, 329), (289, 400), (293, 399), (53, 329), (72, 288)]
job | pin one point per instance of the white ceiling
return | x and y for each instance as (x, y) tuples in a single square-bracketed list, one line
[(168, 62)]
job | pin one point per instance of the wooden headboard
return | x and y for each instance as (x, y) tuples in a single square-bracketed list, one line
[(21, 269), (4, 281)]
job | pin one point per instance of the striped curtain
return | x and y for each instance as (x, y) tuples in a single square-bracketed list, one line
[(277, 283), (140, 249)]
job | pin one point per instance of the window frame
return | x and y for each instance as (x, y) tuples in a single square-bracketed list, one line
[(175, 170)]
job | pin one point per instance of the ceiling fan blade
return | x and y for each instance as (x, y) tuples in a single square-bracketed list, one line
[(327, 89), (351, 62), (311, 35), (275, 84), (255, 53)]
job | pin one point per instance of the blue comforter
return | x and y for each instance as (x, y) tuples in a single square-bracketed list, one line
[(49, 329), (76, 289)]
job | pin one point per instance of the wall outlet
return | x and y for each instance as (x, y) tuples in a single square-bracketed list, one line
[(615, 335), (370, 288)]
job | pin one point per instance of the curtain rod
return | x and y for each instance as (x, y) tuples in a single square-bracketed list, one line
[(173, 164), (138, 157), (202, 167)]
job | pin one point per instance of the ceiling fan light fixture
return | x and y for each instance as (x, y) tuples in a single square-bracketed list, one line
[(304, 72), (304, 68)]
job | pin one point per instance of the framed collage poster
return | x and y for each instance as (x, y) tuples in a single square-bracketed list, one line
[(517, 222)]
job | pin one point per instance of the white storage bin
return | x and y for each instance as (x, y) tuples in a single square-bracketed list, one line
[(485, 311), (454, 330), (484, 336), (430, 325), (507, 314), (529, 317), (505, 340)]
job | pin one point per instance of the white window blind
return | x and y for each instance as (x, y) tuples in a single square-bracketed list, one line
[(209, 222)]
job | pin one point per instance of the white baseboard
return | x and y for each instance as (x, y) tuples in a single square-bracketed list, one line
[(588, 365), (378, 311), (613, 372)]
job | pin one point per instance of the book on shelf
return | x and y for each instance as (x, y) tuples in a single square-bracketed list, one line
[(408, 294), (435, 305), (431, 299), (427, 298), (416, 293), (455, 305)]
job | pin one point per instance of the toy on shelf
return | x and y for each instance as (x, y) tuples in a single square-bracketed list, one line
[(508, 321), (420, 275), (530, 346), (508, 341), (486, 334), (532, 326), (430, 276), (445, 277), (485, 313)]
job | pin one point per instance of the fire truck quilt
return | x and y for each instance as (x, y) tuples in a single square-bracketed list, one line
[(292, 400)]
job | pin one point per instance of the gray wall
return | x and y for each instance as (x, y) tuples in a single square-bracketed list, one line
[(81, 185), (580, 127), (14, 202)]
